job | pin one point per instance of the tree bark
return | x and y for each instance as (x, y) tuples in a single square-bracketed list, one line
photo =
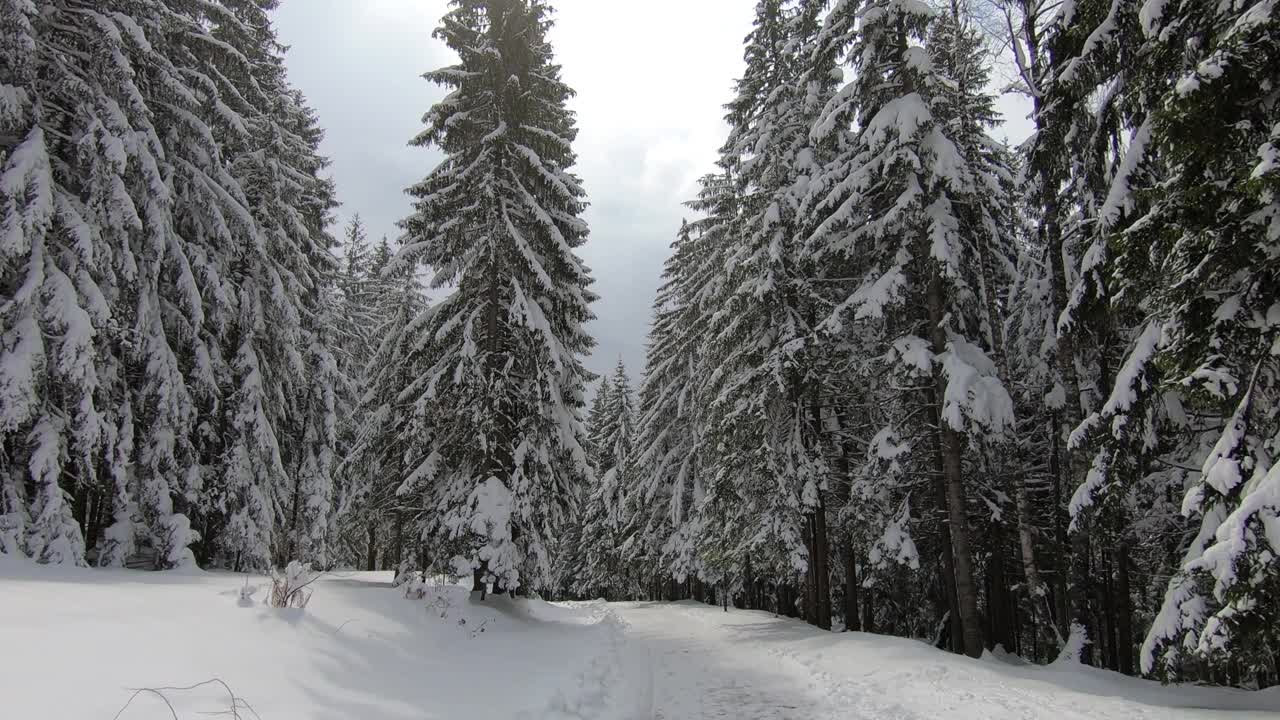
[(947, 554), (1124, 608), (821, 559), (811, 573), (397, 548), (851, 620), (821, 568), (998, 594), (1062, 560), (952, 448)]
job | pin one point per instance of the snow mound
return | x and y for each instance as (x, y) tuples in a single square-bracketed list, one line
[(360, 649)]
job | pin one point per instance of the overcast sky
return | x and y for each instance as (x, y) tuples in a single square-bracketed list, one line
[(651, 78)]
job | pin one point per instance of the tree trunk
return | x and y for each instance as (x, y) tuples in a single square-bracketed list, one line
[(952, 448), (1078, 593), (946, 553), (1062, 559), (1124, 608), (1065, 358), (821, 558), (966, 592), (371, 556), (811, 573), (948, 569), (397, 547), (822, 541), (843, 491), (998, 594), (851, 620)]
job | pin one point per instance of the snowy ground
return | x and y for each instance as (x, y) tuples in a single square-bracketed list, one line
[(73, 643)]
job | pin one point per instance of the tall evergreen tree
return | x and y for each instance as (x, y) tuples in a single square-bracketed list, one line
[(376, 465), (597, 421), (891, 203), (762, 381), (602, 517), (498, 441), (1206, 251), (162, 209)]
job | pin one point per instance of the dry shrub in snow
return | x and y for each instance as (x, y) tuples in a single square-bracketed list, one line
[(289, 588)]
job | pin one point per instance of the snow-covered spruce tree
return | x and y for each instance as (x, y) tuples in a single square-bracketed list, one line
[(1095, 56), (1069, 66), (497, 439), (351, 301), (665, 495), (987, 228), (376, 465), (571, 561), (48, 342), (602, 573), (358, 288), (1212, 236), (892, 200), (765, 490), (620, 428), (570, 552), (275, 476), (91, 180), (662, 420), (597, 422), (313, 438), (143, 234)]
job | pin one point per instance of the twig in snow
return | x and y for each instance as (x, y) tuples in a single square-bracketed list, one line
[(236, 702)]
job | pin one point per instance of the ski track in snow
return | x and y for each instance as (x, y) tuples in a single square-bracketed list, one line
[(750, 664), (695, 672)]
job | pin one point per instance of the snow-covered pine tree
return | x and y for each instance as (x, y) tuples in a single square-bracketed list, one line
[(1053, 42), (762, 384), (891, 202), (666, 492), (601, 572), (597, 421), (281, 410), (620, 432), (662, 418), (376, 465), (37, 246), (1209, 243), (90, 221), (140, 111), (361, 287), (987, 227), (497, 439), (1093, 60)]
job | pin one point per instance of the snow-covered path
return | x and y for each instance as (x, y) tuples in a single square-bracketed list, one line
[(706, 663), (693, 671), (363, 649)]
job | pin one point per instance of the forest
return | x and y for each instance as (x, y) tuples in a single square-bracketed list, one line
[(902, 376)]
